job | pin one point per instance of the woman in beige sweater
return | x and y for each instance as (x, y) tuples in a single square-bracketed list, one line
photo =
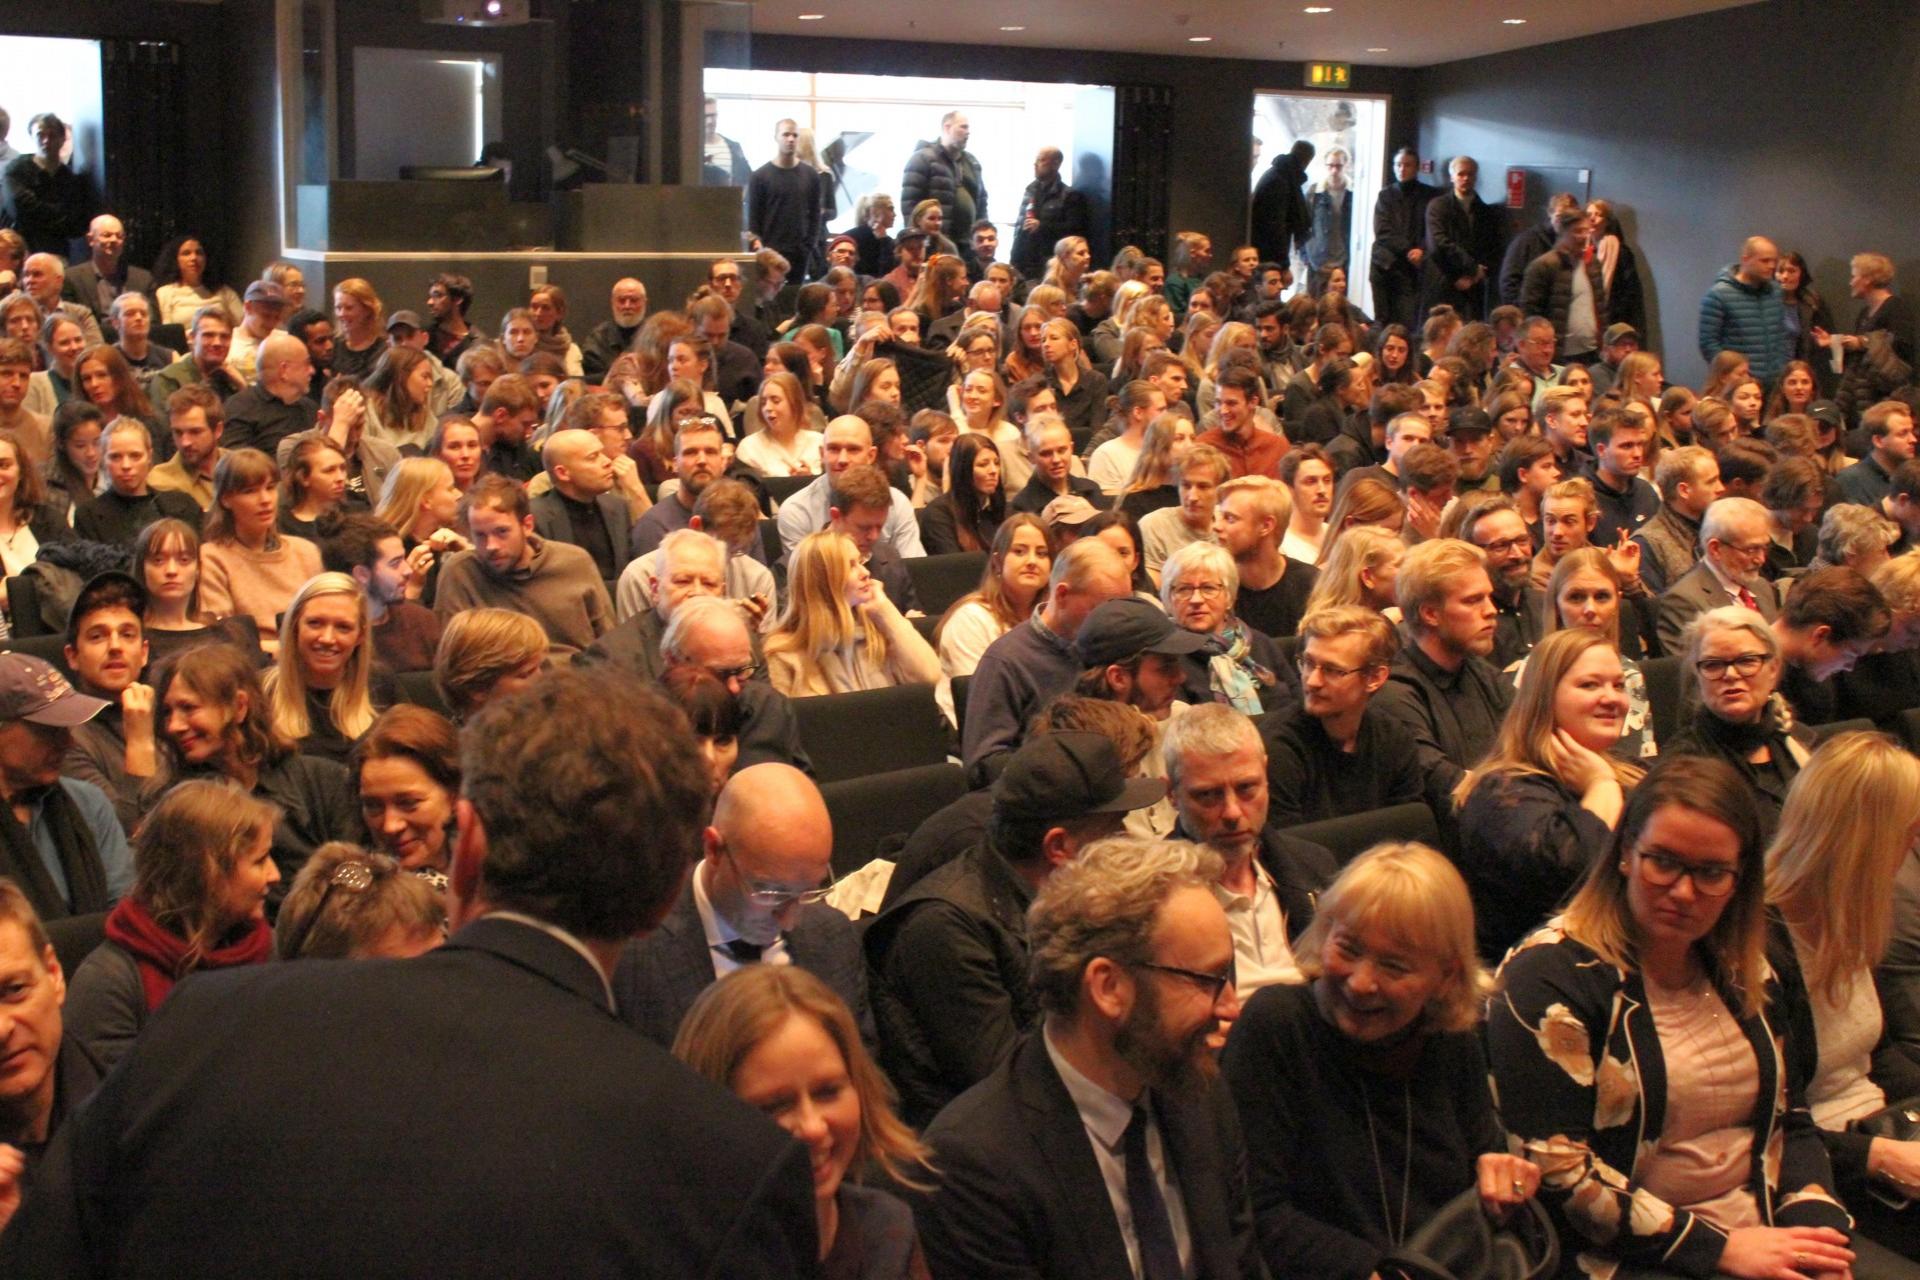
[(246, 565), (840, 632)]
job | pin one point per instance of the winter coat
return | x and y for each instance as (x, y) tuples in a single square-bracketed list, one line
[(1750, 319), (1281, 220), (935, 173), (1547, 290)]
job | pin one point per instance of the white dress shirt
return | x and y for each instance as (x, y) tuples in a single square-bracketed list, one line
[(720, 933)]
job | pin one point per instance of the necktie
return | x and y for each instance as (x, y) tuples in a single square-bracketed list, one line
[(742, 951), (1746, 599), (1159, 1255)]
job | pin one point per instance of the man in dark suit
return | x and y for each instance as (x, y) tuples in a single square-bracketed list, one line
[(1048, 1166), (581, 507), (552, 1140), (949, 958), (1464, 240), (1734, 537), (754, 898), (1400, 241), (105, 275)]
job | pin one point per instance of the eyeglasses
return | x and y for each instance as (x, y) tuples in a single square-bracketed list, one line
[(749, 671), (1505, 545), (1712, 880), (352, 876), (1199, 590), (1744, 666), (1308, 666), (1211, 983), (774, 897), (1747, 548)]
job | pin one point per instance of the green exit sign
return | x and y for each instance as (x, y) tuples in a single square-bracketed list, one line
[(1329, 75)]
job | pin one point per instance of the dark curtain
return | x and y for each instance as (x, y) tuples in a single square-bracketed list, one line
[(1143, 122), (144, 91)]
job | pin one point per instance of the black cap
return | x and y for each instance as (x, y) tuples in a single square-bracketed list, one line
[(411, 319), (1828, 412), (1063, 776), (1118, 630), (1469, 418)]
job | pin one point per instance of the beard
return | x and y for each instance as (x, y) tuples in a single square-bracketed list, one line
[(1182, 1067)]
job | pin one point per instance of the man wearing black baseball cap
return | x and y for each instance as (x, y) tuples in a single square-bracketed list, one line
[(1471, 441), (1131, 653), (59, 839), (947, 963)]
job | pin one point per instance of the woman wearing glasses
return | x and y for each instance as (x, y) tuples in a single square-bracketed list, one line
[(202, 865), (1636, 1052), (1244, 667), (1363, 1093), (1734, 656), (1549, 791)]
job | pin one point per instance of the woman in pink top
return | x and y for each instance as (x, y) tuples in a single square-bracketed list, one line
[(247, 566)]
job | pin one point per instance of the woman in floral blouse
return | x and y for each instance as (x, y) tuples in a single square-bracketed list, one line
[(1638, 1058)]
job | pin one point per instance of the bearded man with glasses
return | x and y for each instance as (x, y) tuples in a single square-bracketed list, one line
[(757, 896)]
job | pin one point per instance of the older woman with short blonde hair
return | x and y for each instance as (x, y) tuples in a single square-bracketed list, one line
[(1371, 1073)]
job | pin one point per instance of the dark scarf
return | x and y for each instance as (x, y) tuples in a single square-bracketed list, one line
[(79, 859), (1741, 740), (164, 957), (556, 342)]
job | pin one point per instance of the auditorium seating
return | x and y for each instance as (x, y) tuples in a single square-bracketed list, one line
[(1665, 688), (851, 735), (940, 580), (869, 811), (1352, 834)]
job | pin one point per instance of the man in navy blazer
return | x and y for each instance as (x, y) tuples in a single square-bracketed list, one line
[(582, 507), (1106, 1146), (753, 899), (478, 1110)]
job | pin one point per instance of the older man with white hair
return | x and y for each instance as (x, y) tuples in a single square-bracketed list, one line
[(712, 634), (43, 277), (689, 564), (1734, 537)]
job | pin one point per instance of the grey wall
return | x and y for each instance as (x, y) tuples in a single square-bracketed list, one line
[(1796, 119), (1212, 102)]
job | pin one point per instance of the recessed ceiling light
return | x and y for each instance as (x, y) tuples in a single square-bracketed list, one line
[(1513, 22), (812, 17), (1376, 49), (1013, 28), (1318, 8), (1199, 39)]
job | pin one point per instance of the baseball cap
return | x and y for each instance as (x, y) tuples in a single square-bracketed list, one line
[(266, 291), (1828, 412), (31, 689), (1120, 629), (409, 318), (1062, 776), (1619, 333), (1469, 419), (1068, 509)]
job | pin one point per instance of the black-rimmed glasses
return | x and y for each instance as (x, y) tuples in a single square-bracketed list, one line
[(1710, 879), (1211, 983)]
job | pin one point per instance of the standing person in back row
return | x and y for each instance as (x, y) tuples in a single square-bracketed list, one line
[(1465, 235), (1281, 219), (1399, 242), (946, 171), (1744, 311), (783, 200), (1050, 211)]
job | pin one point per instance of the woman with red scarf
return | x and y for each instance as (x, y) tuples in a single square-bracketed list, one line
[(203, 863)]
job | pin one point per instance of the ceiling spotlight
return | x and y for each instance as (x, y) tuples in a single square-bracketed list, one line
[(1376, 49), (1199, 39), (1318, 8), (1513, 22), (812, 17), (1013, 28)]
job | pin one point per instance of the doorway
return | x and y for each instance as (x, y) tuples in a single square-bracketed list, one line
[(1352, 125)]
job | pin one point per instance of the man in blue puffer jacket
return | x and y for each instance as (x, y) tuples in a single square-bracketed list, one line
[(1743, 312)]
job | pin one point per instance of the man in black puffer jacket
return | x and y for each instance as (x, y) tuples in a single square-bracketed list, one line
[(1564, 285), (946, 172)]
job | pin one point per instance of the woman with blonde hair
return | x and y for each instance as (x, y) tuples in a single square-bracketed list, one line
[(203, 867), (351, 904), (873, 216), (1371, 1073), (1585, 590), (1844, 834), (1107, 337), (247, 565), (319, 689), (361, 338), (940, 290), (839, 631), (1635, 1046), (1548, 790), (548, 306), (1675, 417), (1232, 336), (1360, 568), (1640, 380), (1365, 502), (399, 398), (782, 1041), (1070, 260), (1726, 369), (486, 654), (1155, 480), (1081, 390)]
